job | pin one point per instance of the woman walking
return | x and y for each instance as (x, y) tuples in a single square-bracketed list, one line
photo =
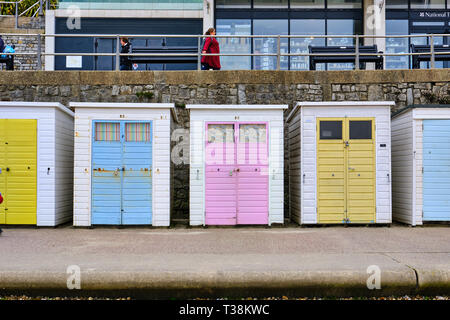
[(211, 46)]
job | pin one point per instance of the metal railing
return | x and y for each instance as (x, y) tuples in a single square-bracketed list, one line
[(278, 54), (40, 11)]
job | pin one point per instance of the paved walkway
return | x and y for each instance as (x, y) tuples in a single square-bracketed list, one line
[(181, 262)]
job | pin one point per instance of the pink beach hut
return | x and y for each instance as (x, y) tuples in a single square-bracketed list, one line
[(236, 164)]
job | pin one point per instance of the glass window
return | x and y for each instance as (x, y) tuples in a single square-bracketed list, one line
[(361, 129), (221, 133), (234, 45), (396, 4), (107, 131), (300, 45), (270, 3), (233, 3), (137, 132), (269, 45), (344, 4), (427, 4), (252, 133), (397, 45), (316, 4), (426, 41), (330, 130), (342, 27), (429, 23)]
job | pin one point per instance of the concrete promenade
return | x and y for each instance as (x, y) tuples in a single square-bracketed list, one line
[(226, 262)]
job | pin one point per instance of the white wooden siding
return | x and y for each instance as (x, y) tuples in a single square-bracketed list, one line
[(309, 114), (198, 118), (418, 153), (294, 167), (407, 135), (402, 168), (63, 167), (47, 208), (161, 158)]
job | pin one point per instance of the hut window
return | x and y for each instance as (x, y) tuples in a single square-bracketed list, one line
[(361, 129), (221, 133), (137, 132), (330, 130), (252, 133), (107, 131)]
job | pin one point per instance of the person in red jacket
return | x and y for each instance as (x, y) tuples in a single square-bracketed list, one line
[(211, 46)]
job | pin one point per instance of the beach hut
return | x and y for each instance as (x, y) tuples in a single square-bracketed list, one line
[(36, 163), (340, 162), (122, 164), (236, 164), (421, 164)]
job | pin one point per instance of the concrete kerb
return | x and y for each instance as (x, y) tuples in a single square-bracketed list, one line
[(210, 284)]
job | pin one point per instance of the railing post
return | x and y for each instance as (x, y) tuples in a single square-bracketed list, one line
[(199, 53), (356, 52), (47, 4), (432, 60), (117, 53), (38, 52), (41, 8), (278, 52), (16, 20)]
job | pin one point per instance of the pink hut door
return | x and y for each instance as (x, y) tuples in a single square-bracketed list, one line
[(252, 177), (220, 195), (236, 173)]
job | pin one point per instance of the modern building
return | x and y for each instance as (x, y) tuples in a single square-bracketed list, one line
[(249, 17)]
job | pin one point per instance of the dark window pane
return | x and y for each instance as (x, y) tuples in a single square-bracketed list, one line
[(330, 130), (233, 3), (316, 4), (345, 4), (361, 129), (427, 4), (396, 4), (270, 3)]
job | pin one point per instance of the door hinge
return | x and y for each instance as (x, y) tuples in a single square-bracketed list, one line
[(422, 169)]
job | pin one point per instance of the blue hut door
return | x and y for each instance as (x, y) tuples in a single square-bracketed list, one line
[(436, 170), (121, 173)]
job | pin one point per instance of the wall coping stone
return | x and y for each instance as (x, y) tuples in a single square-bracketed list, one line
[(221, 77)]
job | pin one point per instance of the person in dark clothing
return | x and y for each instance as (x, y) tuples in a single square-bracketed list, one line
[(211, 46), (125, 63), (2, 44)]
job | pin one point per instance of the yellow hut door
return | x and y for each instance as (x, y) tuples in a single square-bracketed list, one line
[(345, 170), (2, 168), (361, 181), (18, 162)]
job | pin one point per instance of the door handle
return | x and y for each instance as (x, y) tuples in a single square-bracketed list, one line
[(7, 169), (346, 143), (231, 173)]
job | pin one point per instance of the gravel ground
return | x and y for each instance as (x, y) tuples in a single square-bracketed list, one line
[(3, 298)]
